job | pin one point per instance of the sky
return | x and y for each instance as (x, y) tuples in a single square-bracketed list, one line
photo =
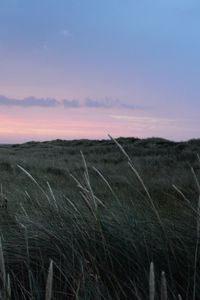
[(73, 69)]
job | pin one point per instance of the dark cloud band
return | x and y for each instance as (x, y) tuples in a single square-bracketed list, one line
[(74, 103), (29, 102)]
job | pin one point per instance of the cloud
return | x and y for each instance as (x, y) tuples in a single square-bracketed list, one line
[(110, 103), (29, 102), (67, 103), (65, 33), (71, 103), (45, 46), (107, 103), (135, 107)]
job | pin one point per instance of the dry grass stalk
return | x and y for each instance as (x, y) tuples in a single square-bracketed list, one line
[(2, 265), (49, 283), (151, 282), (163, 291), (107, 183), (35, 181), (8, 288)]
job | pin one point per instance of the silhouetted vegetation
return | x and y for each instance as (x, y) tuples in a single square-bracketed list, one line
[(94, 215)]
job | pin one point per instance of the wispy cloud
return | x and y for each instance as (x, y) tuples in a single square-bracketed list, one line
[(66, 33), (29, 102), (135, 106), (111, 103), (156, 123), (70, 103)]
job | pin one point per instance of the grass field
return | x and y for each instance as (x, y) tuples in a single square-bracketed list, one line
[(84, 220)]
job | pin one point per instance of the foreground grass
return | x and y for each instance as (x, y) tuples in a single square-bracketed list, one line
[(91, 230)]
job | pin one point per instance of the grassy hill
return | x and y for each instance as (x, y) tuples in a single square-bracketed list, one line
[(100, 212)]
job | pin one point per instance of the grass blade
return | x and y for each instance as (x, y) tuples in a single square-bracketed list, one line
[(151, 282), (49, 283)]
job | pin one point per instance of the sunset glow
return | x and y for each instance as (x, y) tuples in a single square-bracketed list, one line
[(86, 69)]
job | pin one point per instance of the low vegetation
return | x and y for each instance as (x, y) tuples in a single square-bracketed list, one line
[(111, 219)]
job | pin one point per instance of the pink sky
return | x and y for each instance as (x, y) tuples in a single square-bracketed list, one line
[(24, 124), (142, 55)]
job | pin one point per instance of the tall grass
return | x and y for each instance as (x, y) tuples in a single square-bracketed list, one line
[(92, 247)]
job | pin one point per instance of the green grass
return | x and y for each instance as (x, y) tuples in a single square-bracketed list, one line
[(85, 219)]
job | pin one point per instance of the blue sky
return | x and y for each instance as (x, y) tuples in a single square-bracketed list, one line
[(142, 56)]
